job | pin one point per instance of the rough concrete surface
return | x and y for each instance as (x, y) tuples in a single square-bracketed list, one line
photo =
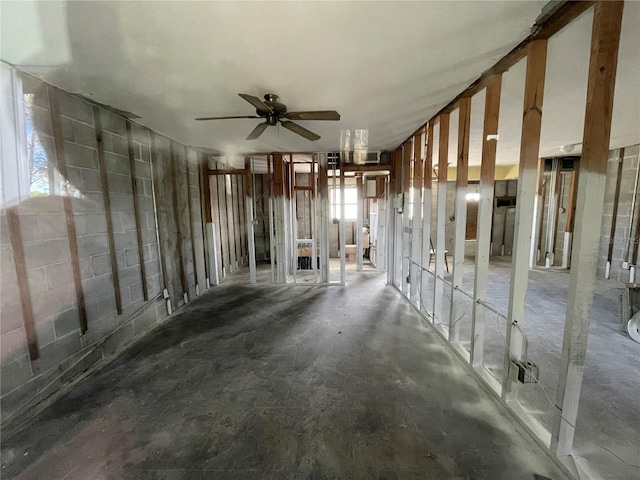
[(281, 382)]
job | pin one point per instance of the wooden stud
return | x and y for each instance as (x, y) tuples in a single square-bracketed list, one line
[(177, 216), (136, 210), (106, 197), (427, 201), (563, 16), (485, 217), (205, 212), (406, 223), (443, 159), (616, 200), (61, 161), (605, 41), (456, 312), (22, 279), (190, 213), (529, 148), (157, 195), (248, 195), (416, 221)]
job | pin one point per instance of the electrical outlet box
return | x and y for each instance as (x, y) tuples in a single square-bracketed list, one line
[(625, 265), (524, 372)]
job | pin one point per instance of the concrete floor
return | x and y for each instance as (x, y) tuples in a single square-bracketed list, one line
[(281, 382), (607, 442)]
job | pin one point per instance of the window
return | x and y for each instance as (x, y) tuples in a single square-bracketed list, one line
[(350, 203)]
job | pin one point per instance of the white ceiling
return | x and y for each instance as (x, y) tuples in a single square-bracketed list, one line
[(385, 66)]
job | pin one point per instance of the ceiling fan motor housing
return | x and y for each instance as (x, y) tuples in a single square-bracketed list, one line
[(278, 109)]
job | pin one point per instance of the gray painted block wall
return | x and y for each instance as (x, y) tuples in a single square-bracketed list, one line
[(64, 351), (622, 233)]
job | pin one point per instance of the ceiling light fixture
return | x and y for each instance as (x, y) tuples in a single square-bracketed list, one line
[(568, 148)]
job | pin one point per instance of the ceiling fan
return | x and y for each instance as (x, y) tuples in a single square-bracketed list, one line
[(273, 112)]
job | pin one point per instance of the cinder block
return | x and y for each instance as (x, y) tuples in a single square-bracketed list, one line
[(91, 203), (135, 292), (96, 223), (101, 264), (11, 314), (28, 228), (14, 374), (75, 108), (131, 257), (67, 129), (59, 274), (13, 345), (46, 252), (142, 169), (81, 156), (115, 144), (106, 306), (139, 134), (116, 163), (90, 245), (145, 153), (112, 122), (52, 355), (52, 226), (128, 221), (98, 288), (125, 240), (44, 332), (66, 322), (129, 276), (85, 135), (91, 180), (121, 203), (37, 281), (99, 329), (48, 304)]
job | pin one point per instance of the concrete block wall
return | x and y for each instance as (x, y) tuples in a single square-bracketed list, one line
[(623, 233), (64, 351)]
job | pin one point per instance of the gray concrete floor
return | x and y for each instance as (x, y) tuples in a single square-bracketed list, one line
[(280, 382), (607, 443)]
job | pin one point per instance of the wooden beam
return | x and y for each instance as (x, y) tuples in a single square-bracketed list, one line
[(205, 211), (136, 210), (350, 167), (605, 41), (457, 310), (157, 195), (61, 161), (22, 279), (427, 201), (485, 216), (230, 171), (525, 200), (106, 198), (441, 221), (177, 218), (416, 221), (190, 213), (562, 17)]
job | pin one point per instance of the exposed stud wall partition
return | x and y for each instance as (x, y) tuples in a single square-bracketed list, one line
[(416, 221), (462, 175), (582, 251), (529, 148), (443, 157), (485, 215), (607, 20)]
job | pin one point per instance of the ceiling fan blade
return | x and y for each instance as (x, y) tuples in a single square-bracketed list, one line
[(256, 132), (295, 128), (226, 118), (256, 102), (314, 115)]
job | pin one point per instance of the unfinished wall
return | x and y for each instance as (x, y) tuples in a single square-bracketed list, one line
[(624, 237), (81, 266)]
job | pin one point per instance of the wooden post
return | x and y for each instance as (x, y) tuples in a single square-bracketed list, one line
[(104, 181), (485, 216), (426, 218), (205, 215), (605, 40), (538, 210), (194, 257), (416, 221), (136, 210), (457, 309), (406, 221), (157, 195), (61, 161), (443, 158), (22, 279), (571, 213), (342, 228), (360, 214), (248, 196), (176, 217), (529, 148), (323, 216)]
